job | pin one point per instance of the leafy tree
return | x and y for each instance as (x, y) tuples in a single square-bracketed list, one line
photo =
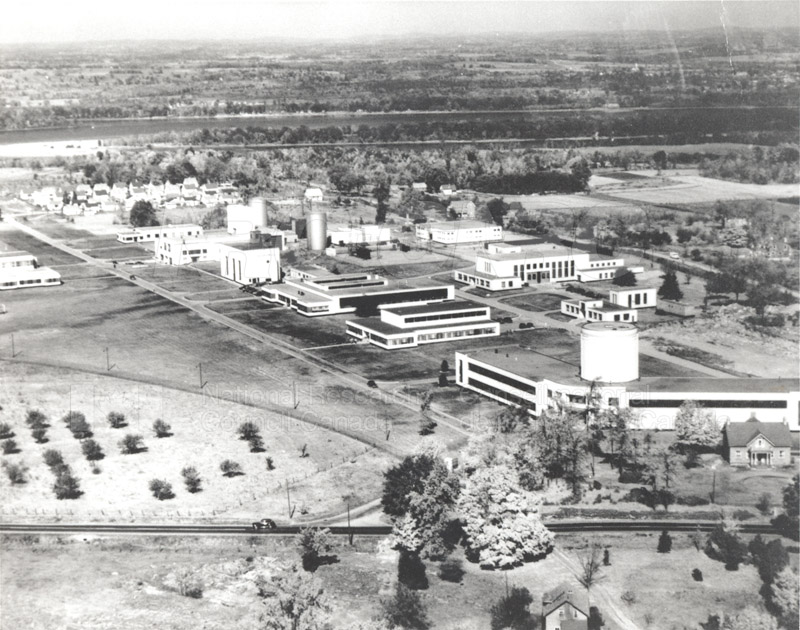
[(92, 450), (502, 525), (161, 489), (749, 619), (6, 431), (77, 424), (256, 444), (294, 601), (131, 444), (445, 366), (769, 558), (724, 544), (401, 480), (451, 570), (664, 542), (764, 503), (670, 289), (116, 420), (562, 452), (791, 497), (783, 598), (17, 473), (381, 193), (67, 485), (215, 219), (497, 210), (230, 468), (143, 214), (425, 526), (314, 545), (191, 478), (697, 575), (511, 610), (696, 427), (10, 447), (626, 279), (53, 459), (40, 435), (162, 429), (405, 610)]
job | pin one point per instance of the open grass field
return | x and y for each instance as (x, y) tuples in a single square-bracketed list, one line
[(286, 324), (120, 252), (12, 240), (183, 279), (204, 434), (538, 302)]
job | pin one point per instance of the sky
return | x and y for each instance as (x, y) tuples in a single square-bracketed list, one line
[(53, 21)]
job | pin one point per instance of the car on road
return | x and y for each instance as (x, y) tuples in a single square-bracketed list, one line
[(675, 255), (372, 384), (264, 523)]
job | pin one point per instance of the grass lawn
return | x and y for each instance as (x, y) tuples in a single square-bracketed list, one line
[(537, 302), (12, 240), (303, 332), (181, 279), (119, 252), (241, 304)]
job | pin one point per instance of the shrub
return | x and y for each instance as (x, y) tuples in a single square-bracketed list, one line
[(595, 621), (17, 473), (451, 570), (73, 416), (606, 558), (405, 610), (411, 571), (629, 598), (692, 500), (116, 420), (764, 503), (512, 610), (788, 526), (697, 575), (630, 476), (53, 459), (726, 546), (78, 426), (10, 447), (131, 444), (67, 485), (230, 468), (426, 425), (5, 431), (92, 451), (256, 444), (162, 429), (664, 542), (161, 489), (247, 430), (188, 585), (314, 545), (191, 478), (270, 464), (36, 419), (40, 435)]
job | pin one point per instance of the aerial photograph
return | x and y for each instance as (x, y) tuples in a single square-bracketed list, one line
[(400, 314)]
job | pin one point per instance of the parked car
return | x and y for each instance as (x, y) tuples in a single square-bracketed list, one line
[(264, 523), (505, 320), (372, 384), (526, 324), (675, 255)]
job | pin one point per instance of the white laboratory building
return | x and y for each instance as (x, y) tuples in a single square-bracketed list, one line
[(459, 232), (20, 270)]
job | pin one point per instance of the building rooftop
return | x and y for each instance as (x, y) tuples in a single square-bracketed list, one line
[(742, 433), (540, 250), (458, 225), (437, 307), (717, 385), (380, 326), (599, 326), (555, 598)]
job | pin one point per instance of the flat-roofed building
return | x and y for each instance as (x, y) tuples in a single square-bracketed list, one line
[(409, 326), (458, 232), (634, 297), (598, 311), (537, 264), (538, 378), (250, 266), (183, 251), (363, 294), (19, 270), (150, 234), (344, 235)]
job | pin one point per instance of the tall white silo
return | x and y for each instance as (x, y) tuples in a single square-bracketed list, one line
[(609, 352), (317, 231), (258, 212)]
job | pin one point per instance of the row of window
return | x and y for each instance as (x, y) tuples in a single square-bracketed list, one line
[(502, 378), (452, 334), (25, 283), (439, 316), (501, 394), (719, 404)]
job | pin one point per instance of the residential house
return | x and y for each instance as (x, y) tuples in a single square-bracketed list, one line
[(420, 187), (462, 208), (100, 194), (755, 443), (563, 608), (119, 192), (313, 194), (190, 191)]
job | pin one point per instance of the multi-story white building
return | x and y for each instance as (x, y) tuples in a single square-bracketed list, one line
[(148, 234), (409, 326), (20, 270), (606, 369), (182, 251), (363, 294), (250, 266), (344, 235), (458, 232), (508, 266)]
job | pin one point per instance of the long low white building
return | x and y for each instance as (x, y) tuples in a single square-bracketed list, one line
[(607, 367), (409, 326), (345, 235), (20, 270), (506, 266), (150, 234), (459, 232)]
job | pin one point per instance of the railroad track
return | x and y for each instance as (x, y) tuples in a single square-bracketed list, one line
[(376, 530)]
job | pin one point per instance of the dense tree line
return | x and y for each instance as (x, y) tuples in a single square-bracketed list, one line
[(757, 165)]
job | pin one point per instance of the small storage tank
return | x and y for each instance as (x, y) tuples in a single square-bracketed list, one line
[(260, 216), (609, 352), (317, 231)]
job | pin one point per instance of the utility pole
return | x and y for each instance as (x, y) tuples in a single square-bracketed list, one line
[(108, 361), (288, 499), (200, 371), (295, 402), (349, 528), (13, 350)]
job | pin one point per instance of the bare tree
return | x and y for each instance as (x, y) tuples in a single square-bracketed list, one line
[(591, 568)]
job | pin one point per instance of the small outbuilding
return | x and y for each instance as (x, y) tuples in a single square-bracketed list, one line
[(758, 444)]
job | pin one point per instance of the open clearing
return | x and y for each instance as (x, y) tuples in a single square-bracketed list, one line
[(537, 302)]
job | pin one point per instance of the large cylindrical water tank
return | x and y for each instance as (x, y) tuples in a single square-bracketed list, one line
[(259, 214), (317, 231), (609, 352)]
